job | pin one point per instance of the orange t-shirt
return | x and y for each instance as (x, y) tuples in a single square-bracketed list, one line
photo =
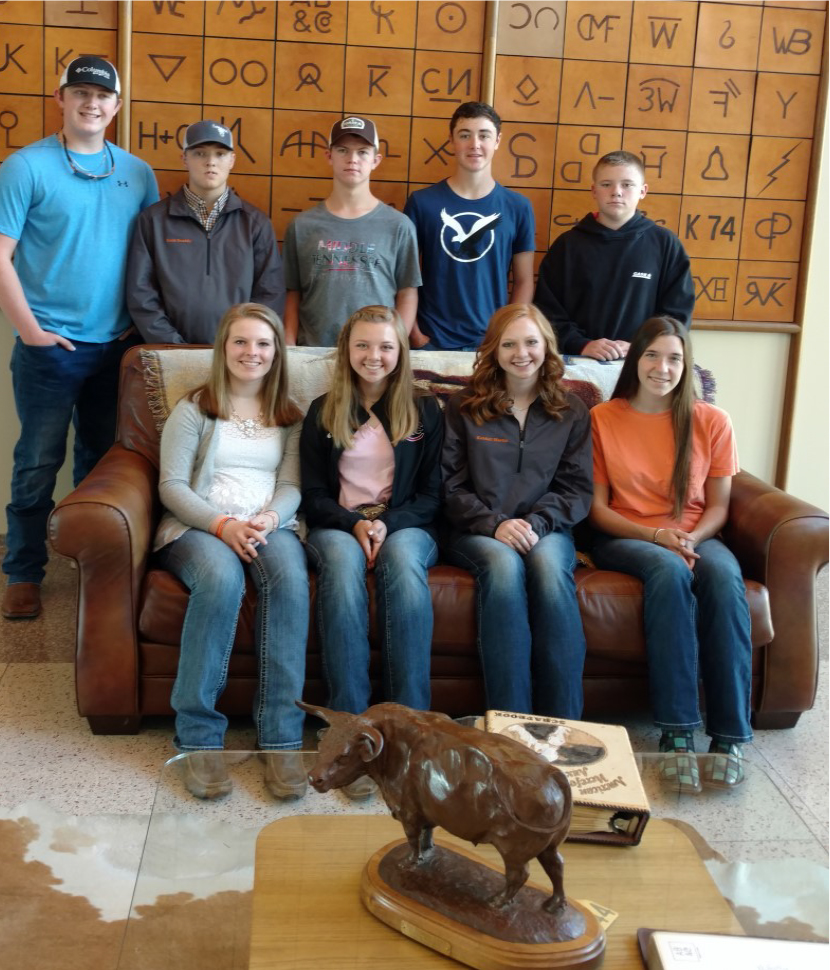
[(634, 457)]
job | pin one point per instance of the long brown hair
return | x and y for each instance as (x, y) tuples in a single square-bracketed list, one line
[(339, 414), (682, 402), (488, 384), (214, 398)]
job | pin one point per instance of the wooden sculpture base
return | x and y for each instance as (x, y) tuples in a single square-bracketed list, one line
[(443, 903)]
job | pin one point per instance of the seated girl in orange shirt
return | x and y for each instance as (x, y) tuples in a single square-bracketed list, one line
[(663, 467)]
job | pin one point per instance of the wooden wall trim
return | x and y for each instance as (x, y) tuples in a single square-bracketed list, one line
[(744, 326), (125, 60), (488, 59)]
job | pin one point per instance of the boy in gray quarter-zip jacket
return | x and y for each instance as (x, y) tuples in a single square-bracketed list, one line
[(202, 250)]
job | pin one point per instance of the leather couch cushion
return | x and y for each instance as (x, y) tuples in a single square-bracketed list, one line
[(610, 603)]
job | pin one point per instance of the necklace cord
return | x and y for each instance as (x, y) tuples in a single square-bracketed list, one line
[(79, 170)]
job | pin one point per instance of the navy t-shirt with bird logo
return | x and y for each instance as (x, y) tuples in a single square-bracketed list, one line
[(466, 246)]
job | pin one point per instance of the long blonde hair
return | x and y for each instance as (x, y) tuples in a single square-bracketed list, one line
[(488, 384), (214, 397), (339, 414)]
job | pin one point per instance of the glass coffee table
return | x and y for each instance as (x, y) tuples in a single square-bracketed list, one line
[(197, 904)]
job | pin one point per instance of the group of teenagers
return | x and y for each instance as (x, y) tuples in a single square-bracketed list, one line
[(383, 481), (375, 476)]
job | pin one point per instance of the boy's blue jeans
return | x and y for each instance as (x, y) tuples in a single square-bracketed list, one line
[(530, 635), (215, 576), (696, 624), (404, 616), (53, 387)]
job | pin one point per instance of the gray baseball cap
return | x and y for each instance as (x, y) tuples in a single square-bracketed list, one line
[(206, 131)]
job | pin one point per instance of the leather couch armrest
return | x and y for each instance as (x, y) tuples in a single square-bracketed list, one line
[(781, 541), (106, 525)]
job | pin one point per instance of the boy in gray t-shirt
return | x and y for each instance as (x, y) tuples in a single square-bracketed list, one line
[(350, 251)]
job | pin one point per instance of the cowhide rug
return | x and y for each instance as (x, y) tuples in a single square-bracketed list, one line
[(66, 886)]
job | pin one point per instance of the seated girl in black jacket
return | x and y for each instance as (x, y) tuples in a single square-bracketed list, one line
[(517, 475)]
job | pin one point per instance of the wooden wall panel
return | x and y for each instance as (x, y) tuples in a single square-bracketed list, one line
[(21, 12), (722, 100), (63, 44), (21, 71), (82, 13), (315, 22), (719, 99), (663, 33)]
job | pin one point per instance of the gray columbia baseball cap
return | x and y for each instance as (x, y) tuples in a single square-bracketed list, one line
[(91, 70), (203, 132)]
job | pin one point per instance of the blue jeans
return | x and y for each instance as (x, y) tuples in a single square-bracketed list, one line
[(404, 616), (215, 576), (528, 623), (693, 619), (53, 387)]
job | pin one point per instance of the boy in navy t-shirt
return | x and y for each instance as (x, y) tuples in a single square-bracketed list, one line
[(471, 230)]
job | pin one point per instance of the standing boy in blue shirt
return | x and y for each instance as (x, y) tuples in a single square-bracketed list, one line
[(67, 208)]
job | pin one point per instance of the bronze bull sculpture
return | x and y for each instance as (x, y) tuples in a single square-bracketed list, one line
[(481, 787)]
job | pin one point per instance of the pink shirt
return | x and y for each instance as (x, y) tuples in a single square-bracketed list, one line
[(634, 457), (367, 468)]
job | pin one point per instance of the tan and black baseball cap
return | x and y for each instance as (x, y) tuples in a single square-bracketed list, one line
[(355, 125)]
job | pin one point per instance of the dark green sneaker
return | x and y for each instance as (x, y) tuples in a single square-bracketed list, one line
[(678, 769), (725, 766)]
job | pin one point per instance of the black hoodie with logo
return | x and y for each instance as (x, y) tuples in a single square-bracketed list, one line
[(599, 282)]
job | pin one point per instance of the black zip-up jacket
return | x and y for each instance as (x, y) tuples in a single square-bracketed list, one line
[(599, 282), (181, 279), (416, 485), (498, 471)]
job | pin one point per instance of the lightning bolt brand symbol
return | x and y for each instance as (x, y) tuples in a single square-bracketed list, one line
[(785, 161)]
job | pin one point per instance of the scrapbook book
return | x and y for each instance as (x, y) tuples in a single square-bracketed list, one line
[(609, 801)]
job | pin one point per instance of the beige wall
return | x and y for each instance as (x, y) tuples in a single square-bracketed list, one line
[(750, 370), (807, 475)]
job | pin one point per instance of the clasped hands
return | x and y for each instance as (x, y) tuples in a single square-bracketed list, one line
[(518, 534), (679, 542), (370, 534), (604, 348), (244, 535)]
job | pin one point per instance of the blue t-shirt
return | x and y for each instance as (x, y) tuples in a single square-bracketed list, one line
[(467, 246), (72, 235)]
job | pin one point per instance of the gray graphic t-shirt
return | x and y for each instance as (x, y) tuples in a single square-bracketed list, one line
[(340, 265)]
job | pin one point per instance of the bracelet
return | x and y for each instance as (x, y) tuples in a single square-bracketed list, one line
[(274, 518), (222, 524), (657, 533)]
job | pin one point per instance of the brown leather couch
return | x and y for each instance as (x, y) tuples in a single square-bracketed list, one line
[(130, 614)]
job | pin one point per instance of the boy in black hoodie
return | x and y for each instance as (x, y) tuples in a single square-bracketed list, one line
[(600, 280)]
